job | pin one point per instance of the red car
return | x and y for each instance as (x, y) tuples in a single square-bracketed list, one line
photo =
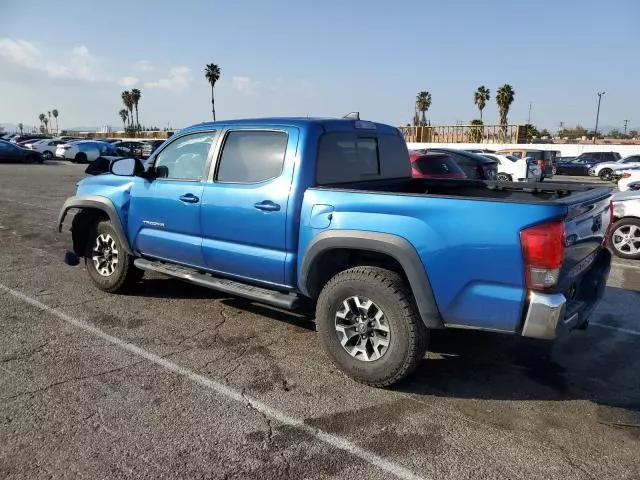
[(434, 165)]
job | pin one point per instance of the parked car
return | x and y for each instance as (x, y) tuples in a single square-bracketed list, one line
[(19, 139), (85, 151), (46, 147), (576, 167), (513, 169), (627, 178), (624, 235), (474, 166), (294, 212), (583, 163), (434, 165), (12, 153), (606, 170), (149, 147), (545, 159), (128, 147)]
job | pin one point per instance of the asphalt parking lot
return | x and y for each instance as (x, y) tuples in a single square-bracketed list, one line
[(177, 381)]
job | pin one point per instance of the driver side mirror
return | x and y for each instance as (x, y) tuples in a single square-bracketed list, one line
[(126, 167)]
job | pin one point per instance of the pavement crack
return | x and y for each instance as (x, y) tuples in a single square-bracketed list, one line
[(73, 379)]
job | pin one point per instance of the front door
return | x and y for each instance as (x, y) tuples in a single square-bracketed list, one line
[(164, 221), (244, 209)]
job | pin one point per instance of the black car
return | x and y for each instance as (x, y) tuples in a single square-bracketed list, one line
[(12, 153), (474, 166), (580, 165), (149, 147)]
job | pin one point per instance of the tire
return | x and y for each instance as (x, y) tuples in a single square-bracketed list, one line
[(620, 229), (80, 158), (47, 155), (605, 174), (503, 177), (113, 277), (407, 336)]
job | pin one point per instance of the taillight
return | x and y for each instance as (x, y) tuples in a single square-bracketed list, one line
[(543, 252), (626, 175)]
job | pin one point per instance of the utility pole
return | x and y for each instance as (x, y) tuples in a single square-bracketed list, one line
[(625, 127), (529, 121), (595, 131)]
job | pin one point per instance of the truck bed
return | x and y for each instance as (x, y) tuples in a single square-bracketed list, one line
[(541, 192)]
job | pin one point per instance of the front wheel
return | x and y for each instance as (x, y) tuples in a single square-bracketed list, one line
[(625, 238), (47, 155), (606, 174), (503, 177), (369, 326), (110, 268)]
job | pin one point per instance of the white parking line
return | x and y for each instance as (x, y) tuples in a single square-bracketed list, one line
[(628, 331), (231, 393)]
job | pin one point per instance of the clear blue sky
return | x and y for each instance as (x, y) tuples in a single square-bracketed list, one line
[(285, 57)]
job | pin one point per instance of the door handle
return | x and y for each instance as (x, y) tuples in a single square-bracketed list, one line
[(267, 206), (189, 198)]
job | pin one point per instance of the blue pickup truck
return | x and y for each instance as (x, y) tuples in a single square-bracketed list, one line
[(324, 213)]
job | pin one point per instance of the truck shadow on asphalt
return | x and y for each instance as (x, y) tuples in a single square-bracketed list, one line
[(598, 365)]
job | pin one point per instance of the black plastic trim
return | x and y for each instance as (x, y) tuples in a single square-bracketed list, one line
[(393, 245), (99, 203)]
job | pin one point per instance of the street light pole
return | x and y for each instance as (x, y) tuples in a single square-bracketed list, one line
[(625, 127), (595, 132), (529, 121)]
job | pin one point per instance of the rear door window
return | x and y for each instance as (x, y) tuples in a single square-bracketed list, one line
[(252, 156), (353, 156)]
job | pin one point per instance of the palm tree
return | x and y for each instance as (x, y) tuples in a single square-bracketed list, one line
[(54, 112), (20, 127), (128, 102), (212, 74), (135, 98), (41, 117), (46, 124), (49, 114), (423, 102), (124, 115), (504, 99), (480, 97)]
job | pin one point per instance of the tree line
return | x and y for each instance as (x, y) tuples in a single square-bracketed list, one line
[(504, 98)]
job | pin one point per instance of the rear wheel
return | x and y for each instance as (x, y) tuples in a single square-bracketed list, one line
[(369, 326), (47, 155), (80, 158), (110, 268), (606, 174), (625, 238)]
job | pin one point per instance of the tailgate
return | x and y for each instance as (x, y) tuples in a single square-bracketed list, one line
[(586, 225)]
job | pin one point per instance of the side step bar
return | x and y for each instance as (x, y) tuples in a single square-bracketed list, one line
[(257, 294)]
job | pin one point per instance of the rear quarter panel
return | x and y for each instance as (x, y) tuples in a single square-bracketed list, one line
[(470, 249)]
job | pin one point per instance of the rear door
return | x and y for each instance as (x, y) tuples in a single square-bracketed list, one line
[(244, 207)]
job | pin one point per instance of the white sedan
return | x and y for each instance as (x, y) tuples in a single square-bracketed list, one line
[(606, 170), (514, 169), (46, 147), (85, 151), (629, 179)]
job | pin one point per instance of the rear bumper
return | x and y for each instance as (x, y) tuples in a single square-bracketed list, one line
[(549, 315)]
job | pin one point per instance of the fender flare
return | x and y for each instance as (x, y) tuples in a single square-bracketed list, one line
[(99, 203), (395, 246)]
